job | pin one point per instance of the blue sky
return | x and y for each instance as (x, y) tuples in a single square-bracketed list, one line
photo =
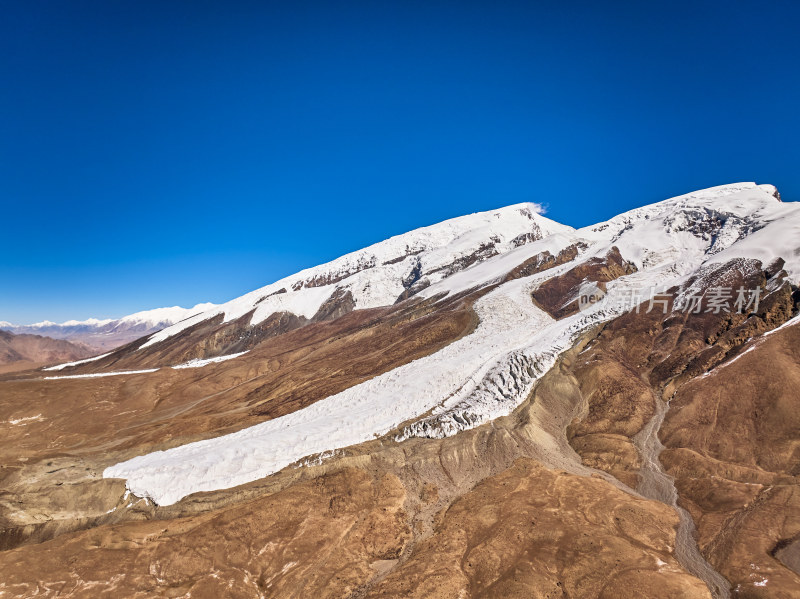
[(166, 153)]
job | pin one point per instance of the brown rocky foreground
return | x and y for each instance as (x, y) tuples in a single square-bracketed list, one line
[(503, 510)]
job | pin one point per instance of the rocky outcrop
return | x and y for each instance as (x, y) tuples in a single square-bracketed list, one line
[(331, 278), (560, 296), (544, 261), (731, 444)]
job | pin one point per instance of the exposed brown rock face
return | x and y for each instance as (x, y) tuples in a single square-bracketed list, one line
[(544, 261), (330, 279), (534, 532), (620, 403), (324, 537), (559, 295), (733, 446), (35, 349), (483, 252)]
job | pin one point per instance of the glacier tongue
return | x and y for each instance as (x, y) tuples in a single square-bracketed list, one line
[(473, 380), (360, 413)]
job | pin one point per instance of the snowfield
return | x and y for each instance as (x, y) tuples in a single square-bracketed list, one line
[(488, 373)]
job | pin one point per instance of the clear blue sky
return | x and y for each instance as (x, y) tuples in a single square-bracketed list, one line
[(161, 153)]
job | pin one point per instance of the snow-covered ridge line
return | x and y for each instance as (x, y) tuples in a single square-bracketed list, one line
[(377, 275), (146, 318)]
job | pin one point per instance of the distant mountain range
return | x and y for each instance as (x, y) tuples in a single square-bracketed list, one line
[(25, 351), (108, 333)]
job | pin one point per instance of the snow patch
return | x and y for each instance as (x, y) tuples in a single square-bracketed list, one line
[(25, 420), (198, 363), (78, 363), (99, 374)]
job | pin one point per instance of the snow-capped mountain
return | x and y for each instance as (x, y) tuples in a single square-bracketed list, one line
[(587, 382), (487, 374), (466, 252), (112, 332), (388, 271)]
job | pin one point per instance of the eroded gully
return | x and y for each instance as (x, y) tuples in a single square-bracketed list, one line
[(656, 484)]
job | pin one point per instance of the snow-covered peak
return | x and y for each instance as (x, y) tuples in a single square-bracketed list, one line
[(74, 323), (710, 225), (164, 316), (696, 225)]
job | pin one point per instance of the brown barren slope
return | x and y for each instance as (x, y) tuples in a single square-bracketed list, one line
[(732, 436), (34, 349), (733, 445), (466, 516), (62, 433)]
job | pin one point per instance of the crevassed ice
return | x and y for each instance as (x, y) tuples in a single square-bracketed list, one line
[(481, 376)]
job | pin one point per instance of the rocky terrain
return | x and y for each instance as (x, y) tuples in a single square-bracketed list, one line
[(494, 406)]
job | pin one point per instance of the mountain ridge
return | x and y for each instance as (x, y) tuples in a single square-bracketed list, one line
[(27, 350)]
